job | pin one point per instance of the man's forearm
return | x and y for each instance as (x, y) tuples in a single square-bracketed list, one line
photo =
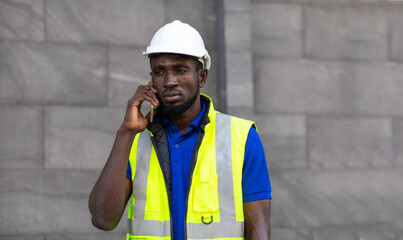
[(109, 195), (257, 219)]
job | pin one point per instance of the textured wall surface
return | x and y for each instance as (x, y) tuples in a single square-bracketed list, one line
[(67, 70), (328, 95), (323, 79)]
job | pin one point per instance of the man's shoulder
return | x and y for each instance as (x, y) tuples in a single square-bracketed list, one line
[(239, 121), (239, 127)]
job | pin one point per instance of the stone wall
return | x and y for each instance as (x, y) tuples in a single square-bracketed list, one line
[(67, 70), (328, 97), (322, 78)]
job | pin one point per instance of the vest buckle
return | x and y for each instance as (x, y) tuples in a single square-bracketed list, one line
[(207, 223)]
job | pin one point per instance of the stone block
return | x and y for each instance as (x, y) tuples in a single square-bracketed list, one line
[(52, 74), (128, 69), (369, 88), (285, 152), (346, 32), (304, 234), (317, 199), (291, 234), (364, 232), (231, 6), (21, 138), (398, 141), (43, 201), (239, 79), (311, 1), (123, 22), (284, 139), (301, 86), (237, 32), (242, 112), (396, 31), (344, 143), (22, 20), (365, 87), (22, 237), (336, 233), (281, 125), (370, 235), (283, 234), (80, 138), (379, 88), (276, 30), (202, 15)]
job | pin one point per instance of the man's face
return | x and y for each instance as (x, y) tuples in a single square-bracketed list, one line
[(177, 81)]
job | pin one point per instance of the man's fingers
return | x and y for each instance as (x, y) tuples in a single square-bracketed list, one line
[(151, 88), (148, 87), (149, 96), (146, 93)]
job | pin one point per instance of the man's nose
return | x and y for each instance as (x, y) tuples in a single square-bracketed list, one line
[(170, 80)]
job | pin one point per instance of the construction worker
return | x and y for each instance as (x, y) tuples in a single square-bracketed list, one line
[(191, 172)]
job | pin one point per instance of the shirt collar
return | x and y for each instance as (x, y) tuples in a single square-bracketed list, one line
[(195, 124)]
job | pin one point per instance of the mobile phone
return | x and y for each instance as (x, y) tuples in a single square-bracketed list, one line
[(151, 107), (151, 113)]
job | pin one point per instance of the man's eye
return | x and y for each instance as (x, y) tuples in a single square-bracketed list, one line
[(181, 70), (157, 73)]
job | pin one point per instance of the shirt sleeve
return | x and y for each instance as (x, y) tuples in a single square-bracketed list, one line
[(129, 171), (255, 176)]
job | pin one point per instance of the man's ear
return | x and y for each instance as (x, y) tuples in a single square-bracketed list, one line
[(202, 77)]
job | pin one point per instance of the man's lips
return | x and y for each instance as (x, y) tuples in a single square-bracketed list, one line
[(172, 96)]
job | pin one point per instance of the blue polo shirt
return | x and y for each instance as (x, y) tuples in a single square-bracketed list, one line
[(255, 177)]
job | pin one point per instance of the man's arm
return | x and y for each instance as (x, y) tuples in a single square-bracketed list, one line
[(257, 219), (256, 189), (111, 192)]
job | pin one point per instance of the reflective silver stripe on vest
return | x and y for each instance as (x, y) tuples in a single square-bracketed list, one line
[(149, 228), (215, 230), (224, 168), (139, 226), (227, 227)]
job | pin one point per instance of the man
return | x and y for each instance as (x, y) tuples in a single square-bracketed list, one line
[(192, 172)]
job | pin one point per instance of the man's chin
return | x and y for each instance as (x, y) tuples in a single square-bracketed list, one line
[(171, 104), (176, 107), (172, 109)]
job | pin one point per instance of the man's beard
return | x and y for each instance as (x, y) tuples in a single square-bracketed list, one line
[(174, 110)]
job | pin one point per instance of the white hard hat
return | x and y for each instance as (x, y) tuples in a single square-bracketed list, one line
[(180, 38)]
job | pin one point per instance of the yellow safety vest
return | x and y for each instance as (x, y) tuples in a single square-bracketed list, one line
[(215, 205)]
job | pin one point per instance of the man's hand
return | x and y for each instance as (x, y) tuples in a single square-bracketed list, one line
[(134, 120)]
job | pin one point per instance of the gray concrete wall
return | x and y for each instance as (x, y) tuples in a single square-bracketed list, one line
[(328, 97), (67, 70), (322, 78)]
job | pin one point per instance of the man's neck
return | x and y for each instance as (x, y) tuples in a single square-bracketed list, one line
[(183, 120)]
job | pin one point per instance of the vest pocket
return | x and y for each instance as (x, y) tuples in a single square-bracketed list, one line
[(154, 202), (205, 194)]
